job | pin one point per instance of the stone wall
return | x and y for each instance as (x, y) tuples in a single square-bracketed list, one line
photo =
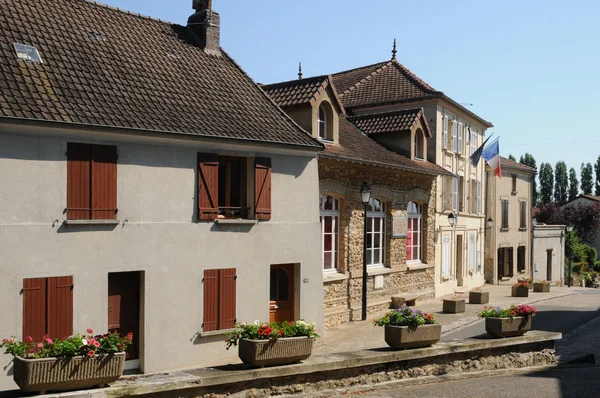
[(343, 291)]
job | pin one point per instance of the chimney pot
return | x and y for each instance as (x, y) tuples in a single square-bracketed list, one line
[(205, 27)]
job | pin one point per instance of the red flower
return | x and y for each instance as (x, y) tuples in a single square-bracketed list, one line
[(90, 353), (90, 331), (280, 332), (28, 339)]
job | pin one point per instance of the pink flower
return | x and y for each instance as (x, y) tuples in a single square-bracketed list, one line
[(95, 343), (90, 330), (28, 339), (90, 353), (48, 340), (39, 345)]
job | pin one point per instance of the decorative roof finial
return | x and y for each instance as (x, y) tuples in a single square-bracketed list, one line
[(300, 71), (394, 51)]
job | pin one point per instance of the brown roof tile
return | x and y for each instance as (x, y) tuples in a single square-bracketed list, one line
[(146, 74), (388, 122), (504, 162), (295, 92)]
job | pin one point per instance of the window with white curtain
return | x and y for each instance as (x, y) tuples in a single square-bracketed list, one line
[(330, 232), (376, 218), (446, 256), (472, 251), (414, 239)]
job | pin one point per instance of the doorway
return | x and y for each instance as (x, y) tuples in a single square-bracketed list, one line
[(549, 264), (124, 310), (459, 261), (505, 263), (282, 293)]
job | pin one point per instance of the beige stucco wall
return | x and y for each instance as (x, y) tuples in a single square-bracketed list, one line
[(549, 237), (158, 234)]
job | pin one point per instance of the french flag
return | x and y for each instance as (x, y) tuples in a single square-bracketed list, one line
[(491, 155)]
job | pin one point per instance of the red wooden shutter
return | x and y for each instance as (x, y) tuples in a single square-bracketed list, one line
[(211, 300), (104, 182), (60, 307), (227, 298), (208, 186), (78, 181), (262, 184), (34, 308)]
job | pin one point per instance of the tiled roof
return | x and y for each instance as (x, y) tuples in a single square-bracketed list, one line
[(357, 147), (103, 66), (388, 122), (295, 92), (515, 165)]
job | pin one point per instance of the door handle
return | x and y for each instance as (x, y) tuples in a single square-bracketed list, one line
[(275, 307)]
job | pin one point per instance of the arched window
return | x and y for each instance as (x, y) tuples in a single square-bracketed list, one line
[(414, 239), (330, 232), (419, 144), (376, 217), (323, 124)]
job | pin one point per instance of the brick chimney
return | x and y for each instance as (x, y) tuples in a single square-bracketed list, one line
[(204, 25)]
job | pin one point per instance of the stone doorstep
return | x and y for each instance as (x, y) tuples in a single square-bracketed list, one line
[(174, 381)]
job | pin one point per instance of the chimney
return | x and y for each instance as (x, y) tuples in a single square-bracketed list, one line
[(205, 27)]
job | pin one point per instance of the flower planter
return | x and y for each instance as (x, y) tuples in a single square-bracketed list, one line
[(479, 297), (520, 291), (507, 327), (404, 337), (454, 306), (60, 374), (280, 352), (541, 288)]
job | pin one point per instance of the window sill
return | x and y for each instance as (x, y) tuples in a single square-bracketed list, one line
[(446, 278), (215, 333), (334, 276), (522, 229), (235, 222), (92, 222), (378, 271), (513, 193), (418, 266), (504, 229)]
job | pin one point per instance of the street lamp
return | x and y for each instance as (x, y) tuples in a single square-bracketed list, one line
[(569, 230), (451, 219), (365, 197), (490, 223)]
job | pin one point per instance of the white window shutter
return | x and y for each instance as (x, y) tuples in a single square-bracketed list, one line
[(460, 138), (479, 197), (446, 256), (454, 133), (455, 193), (445, 138)]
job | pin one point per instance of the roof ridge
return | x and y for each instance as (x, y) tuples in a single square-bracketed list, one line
[(387, 112), (135, 14), (413, 76), (368, 77), (360, 67), (299, 81)]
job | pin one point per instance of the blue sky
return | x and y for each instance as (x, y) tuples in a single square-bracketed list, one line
[(529, 67)]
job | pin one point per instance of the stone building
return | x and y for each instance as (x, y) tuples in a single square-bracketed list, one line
[(400, 241)]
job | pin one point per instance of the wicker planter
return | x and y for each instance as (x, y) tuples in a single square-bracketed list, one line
[(280, 352), (404, 337), (541, 288), (520, 291), (479, 297), (60, 374), (507, 327), (454, 306)]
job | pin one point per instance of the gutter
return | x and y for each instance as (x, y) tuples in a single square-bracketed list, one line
[(393, 166)]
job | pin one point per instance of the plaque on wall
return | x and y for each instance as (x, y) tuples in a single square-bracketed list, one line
[(399, 226)]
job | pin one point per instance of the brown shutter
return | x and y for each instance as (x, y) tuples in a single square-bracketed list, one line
[(262, 183), (104, 182), (60, 307), (227, 298), (511, 262), (208, 186), (34, 308), (78, 181), (211, 300)]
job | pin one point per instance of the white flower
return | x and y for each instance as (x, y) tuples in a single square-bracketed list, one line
[(257, 323), (84, 342)]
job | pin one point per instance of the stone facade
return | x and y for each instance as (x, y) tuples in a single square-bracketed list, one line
[(343, 289)]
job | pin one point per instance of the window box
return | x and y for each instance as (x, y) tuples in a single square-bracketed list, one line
[(282, 351), (507, 327), (541, 287), (403, 337), (520, 291)]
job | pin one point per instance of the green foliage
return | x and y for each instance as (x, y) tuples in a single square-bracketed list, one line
[(546, 182), (529, 160), (587, 178), (270, 331), (405, 316), (573, 184), (511, 157), (597, 169), (561, 181), (509, 312)]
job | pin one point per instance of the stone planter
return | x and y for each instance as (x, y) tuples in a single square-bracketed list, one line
[(479, 297), (60, 374), (454, 306), (280, 352), (520, 291), (541, 288), (404, 337), (507, 327)]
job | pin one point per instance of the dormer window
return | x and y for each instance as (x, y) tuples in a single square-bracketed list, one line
[(323, 124), (419, 145)]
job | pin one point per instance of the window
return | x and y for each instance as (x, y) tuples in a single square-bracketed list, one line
[(504, 214), (461, 193), (514, 184), (460, 139), (479, 210), (445, 137), (91, 182), (473, 141), (448, 184), (375, 232), (446, 256), (454, 135), (419, 145), (322, 124), (414, 239), (219, 299), (521, 251), (330, 232), (473, 196), (223, 187), (523, 215), (27, 53), (455, 184), (472, 251), (48, 307)]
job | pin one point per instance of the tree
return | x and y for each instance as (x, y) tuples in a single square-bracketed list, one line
[(561, 181), (587, 178), (511, 157), (573, 184), (585, 219), (546, 183), (597, 167), (528, 160)]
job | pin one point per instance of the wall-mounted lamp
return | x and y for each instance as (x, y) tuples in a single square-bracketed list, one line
[(490, 223), (452, 219)]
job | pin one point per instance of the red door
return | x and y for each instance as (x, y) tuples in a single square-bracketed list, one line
[(282, 293), (124, 307)]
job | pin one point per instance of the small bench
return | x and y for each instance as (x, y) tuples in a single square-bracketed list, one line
[(398, 302)]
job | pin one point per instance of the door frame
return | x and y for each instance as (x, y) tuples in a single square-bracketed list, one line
[(294, 286)]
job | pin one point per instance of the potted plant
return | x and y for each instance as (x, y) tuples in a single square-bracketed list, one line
[(520, 289), (529, 282), (508, 322), (541, 287), (409, 328), (67, 364), (276, 343), (479, 296)]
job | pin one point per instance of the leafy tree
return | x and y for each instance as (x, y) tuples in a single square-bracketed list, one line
[(587, 178), (529, 160), (597, 168), (511, 157), (573, 184), (546, 182), (584, 218), (561, 181)]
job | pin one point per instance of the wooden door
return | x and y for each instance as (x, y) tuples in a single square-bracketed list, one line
[(282, 293), (549, 264), (124, 307)]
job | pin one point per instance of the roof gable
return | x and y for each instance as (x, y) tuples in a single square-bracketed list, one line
[(389, 122), (303, 91)]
